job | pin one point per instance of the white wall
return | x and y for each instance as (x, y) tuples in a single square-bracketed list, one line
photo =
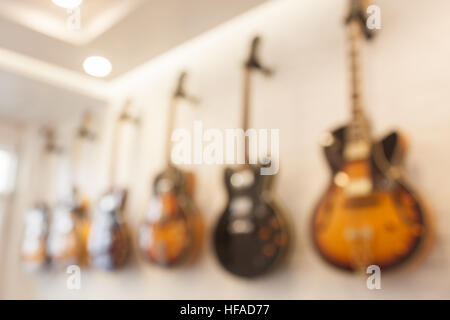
[(19, 138), (407, 76)]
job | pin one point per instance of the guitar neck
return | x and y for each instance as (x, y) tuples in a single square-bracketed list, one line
[(246, 99), (43, 180), (170, 128), (356, 39), (82, 135), (118, 140), (179, 94), (77, 161), (114, 153), (246, 106), (252, 64), (359, 130), (48, 157)]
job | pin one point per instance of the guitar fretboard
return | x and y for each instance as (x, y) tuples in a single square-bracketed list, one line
[(358, 130)]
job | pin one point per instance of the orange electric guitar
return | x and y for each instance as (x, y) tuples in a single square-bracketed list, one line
[(368, 215), (172, 230)]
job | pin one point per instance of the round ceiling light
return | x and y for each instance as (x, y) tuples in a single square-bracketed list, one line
[(97, 66), (68, 4)]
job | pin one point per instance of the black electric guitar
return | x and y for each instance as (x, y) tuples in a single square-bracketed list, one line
[(109, 239), (172, 230), (368, 215), (251, 235), (34, 252)]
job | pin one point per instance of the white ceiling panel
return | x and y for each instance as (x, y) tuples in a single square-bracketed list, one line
[(128, 33)]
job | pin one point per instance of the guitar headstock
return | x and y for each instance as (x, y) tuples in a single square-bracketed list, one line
[(358, 13), (253, 62), (50, 141), (85, 131)]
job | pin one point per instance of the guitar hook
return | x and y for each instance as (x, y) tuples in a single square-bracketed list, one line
[(357, 12), (180, 92), (51, 146), (127, 114), (253, 61), (85, 131)]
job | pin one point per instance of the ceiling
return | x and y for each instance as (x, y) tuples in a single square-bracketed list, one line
[(33, 101), (41, 73), (45, 17), (128, 33)]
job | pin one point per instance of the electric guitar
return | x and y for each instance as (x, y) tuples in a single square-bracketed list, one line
[(109, 239), (70, 226), (368, 215), (34, 251), (251, 235), (172, 230)]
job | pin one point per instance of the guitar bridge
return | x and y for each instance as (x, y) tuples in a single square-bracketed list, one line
[(361, 202)]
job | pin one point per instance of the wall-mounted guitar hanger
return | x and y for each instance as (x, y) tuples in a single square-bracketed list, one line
[(85, 131), (180, 90)]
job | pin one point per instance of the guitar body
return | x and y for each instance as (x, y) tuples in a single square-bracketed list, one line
[(251, 235), (368, 215), (172, 230), (109, 238)]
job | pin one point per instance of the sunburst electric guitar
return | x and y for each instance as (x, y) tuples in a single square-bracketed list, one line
[(172, 230), (368, 215), (251, 235)]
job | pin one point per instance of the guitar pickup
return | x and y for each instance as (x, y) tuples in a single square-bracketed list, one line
[(359, 187), (242, 226)]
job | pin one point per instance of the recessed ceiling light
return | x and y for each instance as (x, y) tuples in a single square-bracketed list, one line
[(97, 66), (68, 4)]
